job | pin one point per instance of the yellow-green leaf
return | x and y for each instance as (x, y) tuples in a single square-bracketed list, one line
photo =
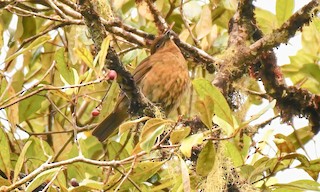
[(20, 161), (284, 9), (206, 109), (104, 51), (189, 142), (35, 44), (63, 67), (85, 55), (5, 163), (234, 154), (206, 159), (44, 176), (221, 107), (177, 135)]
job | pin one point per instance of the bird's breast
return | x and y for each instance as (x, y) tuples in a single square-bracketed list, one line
[(167, 81)]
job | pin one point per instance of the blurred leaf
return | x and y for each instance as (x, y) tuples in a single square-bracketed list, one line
[(192, 10), (221, 107), (5, 163), (28, 107), (185, 175), (312, 169), (206, 109), (29, 27), (4, 182), (129, 57), (300, 136), (5, 18), (301, 185), (284, 9), (1, 33), (234, 154), (35, 44), (149, 133), (266, 20), (37, 153), (303, 159), (271, 105), (44, 176), (283, 143), (91, 148), (225, 126), (63, 67), (148, 143), (129, 124), (20, 161), (144, 11), (91, 184), (103, 52), (206, 159), (85, 55), (204, 24), (113, 150), (262, 165), (140, 173), (179, 134), (189, 142)]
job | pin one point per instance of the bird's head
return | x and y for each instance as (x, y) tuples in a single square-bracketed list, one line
[(160, 41)]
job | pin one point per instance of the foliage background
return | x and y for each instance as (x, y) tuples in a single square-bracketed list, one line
[(52, 80)]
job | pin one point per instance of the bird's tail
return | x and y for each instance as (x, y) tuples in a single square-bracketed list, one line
[(109, 124)]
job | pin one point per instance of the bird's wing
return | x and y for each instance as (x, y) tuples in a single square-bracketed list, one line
[(141, 70)]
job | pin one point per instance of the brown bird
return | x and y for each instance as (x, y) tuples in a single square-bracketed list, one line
[(162, 77)]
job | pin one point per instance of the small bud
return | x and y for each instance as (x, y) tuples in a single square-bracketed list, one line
[(74, 182), (112, 75), (95, 112)]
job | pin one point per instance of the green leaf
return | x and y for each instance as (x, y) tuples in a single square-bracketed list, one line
[(149, 133), (284, 9), (20, 161), (37, 153), (29, 27), (313, 169), (266, 20), (206, 159), (206, 109), (113, 150), (91, 184), (5, 163), (314, 165), (35, 44), (300, 185), (271, 105), (129, 124), (29, 106), (129, 57), (179, 134), (204, 24), (4, 182), (85, 55), (303, 159), (189, 142), (139, 174), (148, 143), (234, 154), (65, 70), (103, 52), (221, 107), (262, 165), (44, 176)]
